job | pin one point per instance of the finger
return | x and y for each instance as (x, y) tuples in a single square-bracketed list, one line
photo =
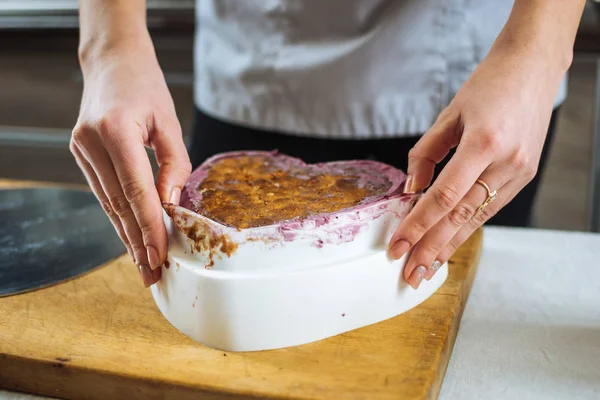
[(122, 208), (430, 150), (92, 152), (505, 196), (173, 160), (426, 251), (96, 187), (453, 183), (98, 158), (132, 166)]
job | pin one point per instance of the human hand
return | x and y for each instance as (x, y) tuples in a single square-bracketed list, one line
[(498, 123), (126, 106)]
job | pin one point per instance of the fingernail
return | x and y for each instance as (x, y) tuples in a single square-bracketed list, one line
[(432, 269), (153, 257), (408, 185), (147, 276), (175, 195), (417, 276), (156, 274), (399, 249)]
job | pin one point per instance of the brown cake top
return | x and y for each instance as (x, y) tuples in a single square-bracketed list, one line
[(259, 189)]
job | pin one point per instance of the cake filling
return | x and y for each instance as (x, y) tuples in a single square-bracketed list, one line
[(257, 190)]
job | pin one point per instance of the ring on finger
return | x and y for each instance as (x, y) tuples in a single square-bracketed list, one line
[(492, 194)]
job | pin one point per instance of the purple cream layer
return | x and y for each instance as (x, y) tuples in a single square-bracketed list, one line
[(370, 173)]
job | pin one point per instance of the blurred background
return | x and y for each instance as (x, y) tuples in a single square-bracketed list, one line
[(40, 89)]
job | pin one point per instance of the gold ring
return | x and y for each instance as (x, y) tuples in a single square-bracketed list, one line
[(492, 194)]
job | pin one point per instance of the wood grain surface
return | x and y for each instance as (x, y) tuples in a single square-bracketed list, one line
[(101, 336), (19, 184)]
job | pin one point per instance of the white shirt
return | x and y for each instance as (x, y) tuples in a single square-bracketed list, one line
[(340, 68)]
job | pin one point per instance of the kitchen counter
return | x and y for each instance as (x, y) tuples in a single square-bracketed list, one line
[(531, 328)]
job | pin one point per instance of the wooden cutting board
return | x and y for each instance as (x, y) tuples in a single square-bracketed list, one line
[(101, 336)]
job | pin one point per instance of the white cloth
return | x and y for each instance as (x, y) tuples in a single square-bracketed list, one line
[(340, 68), (531, 327)]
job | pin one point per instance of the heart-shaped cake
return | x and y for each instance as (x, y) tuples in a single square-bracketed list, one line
[(254, 189), (242, 203)]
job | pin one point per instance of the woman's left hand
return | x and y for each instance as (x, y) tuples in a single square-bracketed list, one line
[(498, 123)]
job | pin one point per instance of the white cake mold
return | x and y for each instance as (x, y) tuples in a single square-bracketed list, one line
[(285, 284)]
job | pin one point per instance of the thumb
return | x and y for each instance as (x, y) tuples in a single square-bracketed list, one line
[(430, 150), (174, 164)]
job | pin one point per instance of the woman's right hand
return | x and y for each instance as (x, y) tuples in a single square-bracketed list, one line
[(126, 106)]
